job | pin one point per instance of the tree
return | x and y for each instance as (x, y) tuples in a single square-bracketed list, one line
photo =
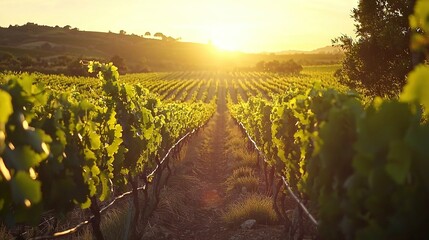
[(379, 59), (272, 66), (289, 67), (122, 32), (120, 63), (6, 57), (147, 34), (9, 62), (260, 66), (26, 61), (75, 68), (170, 39), (159, 35)]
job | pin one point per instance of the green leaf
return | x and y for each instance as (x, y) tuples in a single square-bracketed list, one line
[(113, 148), (95, 141), (399, 161), (118, 131), (92, 189), (418, 138), (362, 164), (86, 204), (104, 186), (146, 115), (148, 132), (421, 16), (61, 135), (95, 170), (417, 87), (5, 106), (89, 155), (26, 82), (85, 105), (25, 189), (22, 158), (35, 140)]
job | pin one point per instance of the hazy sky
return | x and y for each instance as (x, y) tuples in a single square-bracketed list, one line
[(246, 25)]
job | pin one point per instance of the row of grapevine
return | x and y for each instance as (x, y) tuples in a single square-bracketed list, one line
[(52, 140), (362, 166)]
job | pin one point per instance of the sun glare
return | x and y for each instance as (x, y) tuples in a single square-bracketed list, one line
[(225, 38), (222, 43)]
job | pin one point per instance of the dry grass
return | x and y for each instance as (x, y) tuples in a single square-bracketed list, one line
[(244, 159), (250, 183), (4, 234), (243, 172), (51, 225), (242, 177), (177, 199), (116, 224), (234, 139), (173, 207), (84, 234), (233, 143), (254, 206), (235, 149)]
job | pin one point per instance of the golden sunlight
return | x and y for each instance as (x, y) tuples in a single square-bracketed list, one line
[(225, 37)]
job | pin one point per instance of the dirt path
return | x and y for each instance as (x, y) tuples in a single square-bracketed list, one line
[(193, 201)]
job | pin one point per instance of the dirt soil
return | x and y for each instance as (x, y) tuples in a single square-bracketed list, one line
[(195, 197)]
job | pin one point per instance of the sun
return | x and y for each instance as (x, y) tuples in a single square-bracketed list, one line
[(223, 43), (225, 38)]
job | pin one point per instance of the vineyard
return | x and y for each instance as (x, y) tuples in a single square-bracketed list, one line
[(98, 137), (213, 155), (101, 137), (174, 140)]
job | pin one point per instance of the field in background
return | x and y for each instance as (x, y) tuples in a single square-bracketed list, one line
[(203, 85), (190, 86)]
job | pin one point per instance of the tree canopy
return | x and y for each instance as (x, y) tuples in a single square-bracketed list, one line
[(379, 59), (281, 67), (120, 63)]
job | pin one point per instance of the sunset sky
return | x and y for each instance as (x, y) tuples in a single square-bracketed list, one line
[(244, 25)]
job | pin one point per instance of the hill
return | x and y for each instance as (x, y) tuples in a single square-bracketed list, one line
[(34, 47), (324, 50)]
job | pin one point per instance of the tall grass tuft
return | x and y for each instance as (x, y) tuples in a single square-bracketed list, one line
[(254, 206), (243, 159), (4, 234), (242, 177), (116, 224)]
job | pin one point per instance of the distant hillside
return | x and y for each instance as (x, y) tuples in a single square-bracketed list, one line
[(328, 50), (33, 47), (323, 50)]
